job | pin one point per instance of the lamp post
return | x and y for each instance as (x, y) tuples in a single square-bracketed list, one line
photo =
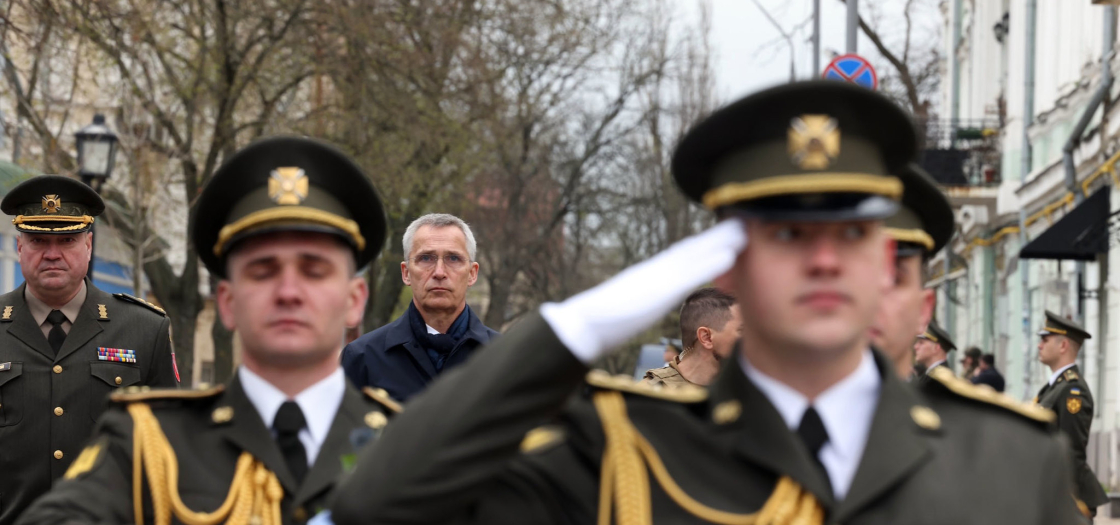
[(97, 150)]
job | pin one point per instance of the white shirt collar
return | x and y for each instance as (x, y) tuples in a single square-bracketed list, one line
[(941, 362), (319, 403), (846, 409), (432, 330), (1054, 376)]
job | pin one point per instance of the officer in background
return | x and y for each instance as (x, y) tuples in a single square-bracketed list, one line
[(931, 350), (1068, 396), (286, 223), (64, 344), (807, 424), (922, 226)]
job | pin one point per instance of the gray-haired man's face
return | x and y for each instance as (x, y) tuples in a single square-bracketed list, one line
[(439, 269)]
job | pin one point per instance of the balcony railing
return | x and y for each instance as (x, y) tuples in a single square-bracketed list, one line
[(962, 152)]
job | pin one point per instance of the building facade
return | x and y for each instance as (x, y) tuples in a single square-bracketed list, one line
[(1030, 166)]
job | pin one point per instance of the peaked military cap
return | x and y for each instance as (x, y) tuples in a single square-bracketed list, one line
[(52, 204), (936, 334), (812, 151), (1056, 324), (287, 184), (925, 221)]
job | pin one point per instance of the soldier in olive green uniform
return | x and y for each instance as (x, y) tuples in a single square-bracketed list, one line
[(61, 354), (931, 350), (1069, 397), (286, 223), (809, 164)]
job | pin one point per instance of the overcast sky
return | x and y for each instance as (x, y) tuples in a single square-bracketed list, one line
[(747, 57)]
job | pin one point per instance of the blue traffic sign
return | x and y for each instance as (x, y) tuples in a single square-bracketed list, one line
[(852, 68)]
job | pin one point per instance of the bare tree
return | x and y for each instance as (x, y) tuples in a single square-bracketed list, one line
[(208, 76)]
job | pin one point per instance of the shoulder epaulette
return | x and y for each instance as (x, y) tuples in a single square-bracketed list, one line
[(622, 383), (968, 390), (382, 397), (133, 394), (136, 300), (1070, 375)]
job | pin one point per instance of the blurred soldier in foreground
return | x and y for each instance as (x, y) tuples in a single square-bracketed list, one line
[(710, 327), (286, 223), (64, 344), (807, 425), (1067, 394), (922, 226)]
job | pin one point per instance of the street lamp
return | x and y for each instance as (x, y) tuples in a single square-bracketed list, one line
[(97, 149)]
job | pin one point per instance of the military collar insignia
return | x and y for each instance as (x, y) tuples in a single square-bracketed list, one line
[(376, 420), (727, 412), (102, 313), (222, 415), (288, 186), (925, 417), (51, 203), (813, 141), (7, 315)]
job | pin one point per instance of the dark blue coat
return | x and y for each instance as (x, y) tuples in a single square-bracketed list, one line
[(990, 377), (390, 358)]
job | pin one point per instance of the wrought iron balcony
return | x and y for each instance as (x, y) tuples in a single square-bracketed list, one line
[(962, 152)]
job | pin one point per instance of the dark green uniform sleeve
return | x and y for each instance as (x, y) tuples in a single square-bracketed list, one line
[(162, 373), (1075, 417), (448, 454), (100, 495)]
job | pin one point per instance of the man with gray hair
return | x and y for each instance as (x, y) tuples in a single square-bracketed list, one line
[(439, 330)]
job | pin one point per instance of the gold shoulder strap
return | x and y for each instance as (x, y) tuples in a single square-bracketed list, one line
[(624, 484), (254, 495)]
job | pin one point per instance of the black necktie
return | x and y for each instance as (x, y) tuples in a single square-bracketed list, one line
[(289, 421), (57, 335), (814, 436)]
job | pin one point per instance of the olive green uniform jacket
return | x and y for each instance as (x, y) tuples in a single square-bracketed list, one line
[(208, 432), (950, 454), (49, 403), (1070, 399)]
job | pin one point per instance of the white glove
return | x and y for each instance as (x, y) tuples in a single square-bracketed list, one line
[(596, 320)]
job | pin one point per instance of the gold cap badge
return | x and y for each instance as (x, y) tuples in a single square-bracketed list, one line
[(288, 186), (814, 141), (51, 203)]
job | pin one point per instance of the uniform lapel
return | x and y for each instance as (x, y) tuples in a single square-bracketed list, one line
[(895, 448), (23, 325), (86, 326), (339, 443), (761, 435), (246, 430)]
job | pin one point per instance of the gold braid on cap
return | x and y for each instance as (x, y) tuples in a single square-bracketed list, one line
[(915, 236), (21, 221), (254, 494), (734, 192), (1055, 330), (624, 482), (282, 214)]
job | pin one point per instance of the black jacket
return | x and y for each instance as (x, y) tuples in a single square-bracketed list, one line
[(990, 377), (390, 357)]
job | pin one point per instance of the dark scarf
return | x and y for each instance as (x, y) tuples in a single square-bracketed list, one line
[(438, 346)]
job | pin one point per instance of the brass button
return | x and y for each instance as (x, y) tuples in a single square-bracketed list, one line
[(58, 411), (117, 380), (58, 454), (57, 369)]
